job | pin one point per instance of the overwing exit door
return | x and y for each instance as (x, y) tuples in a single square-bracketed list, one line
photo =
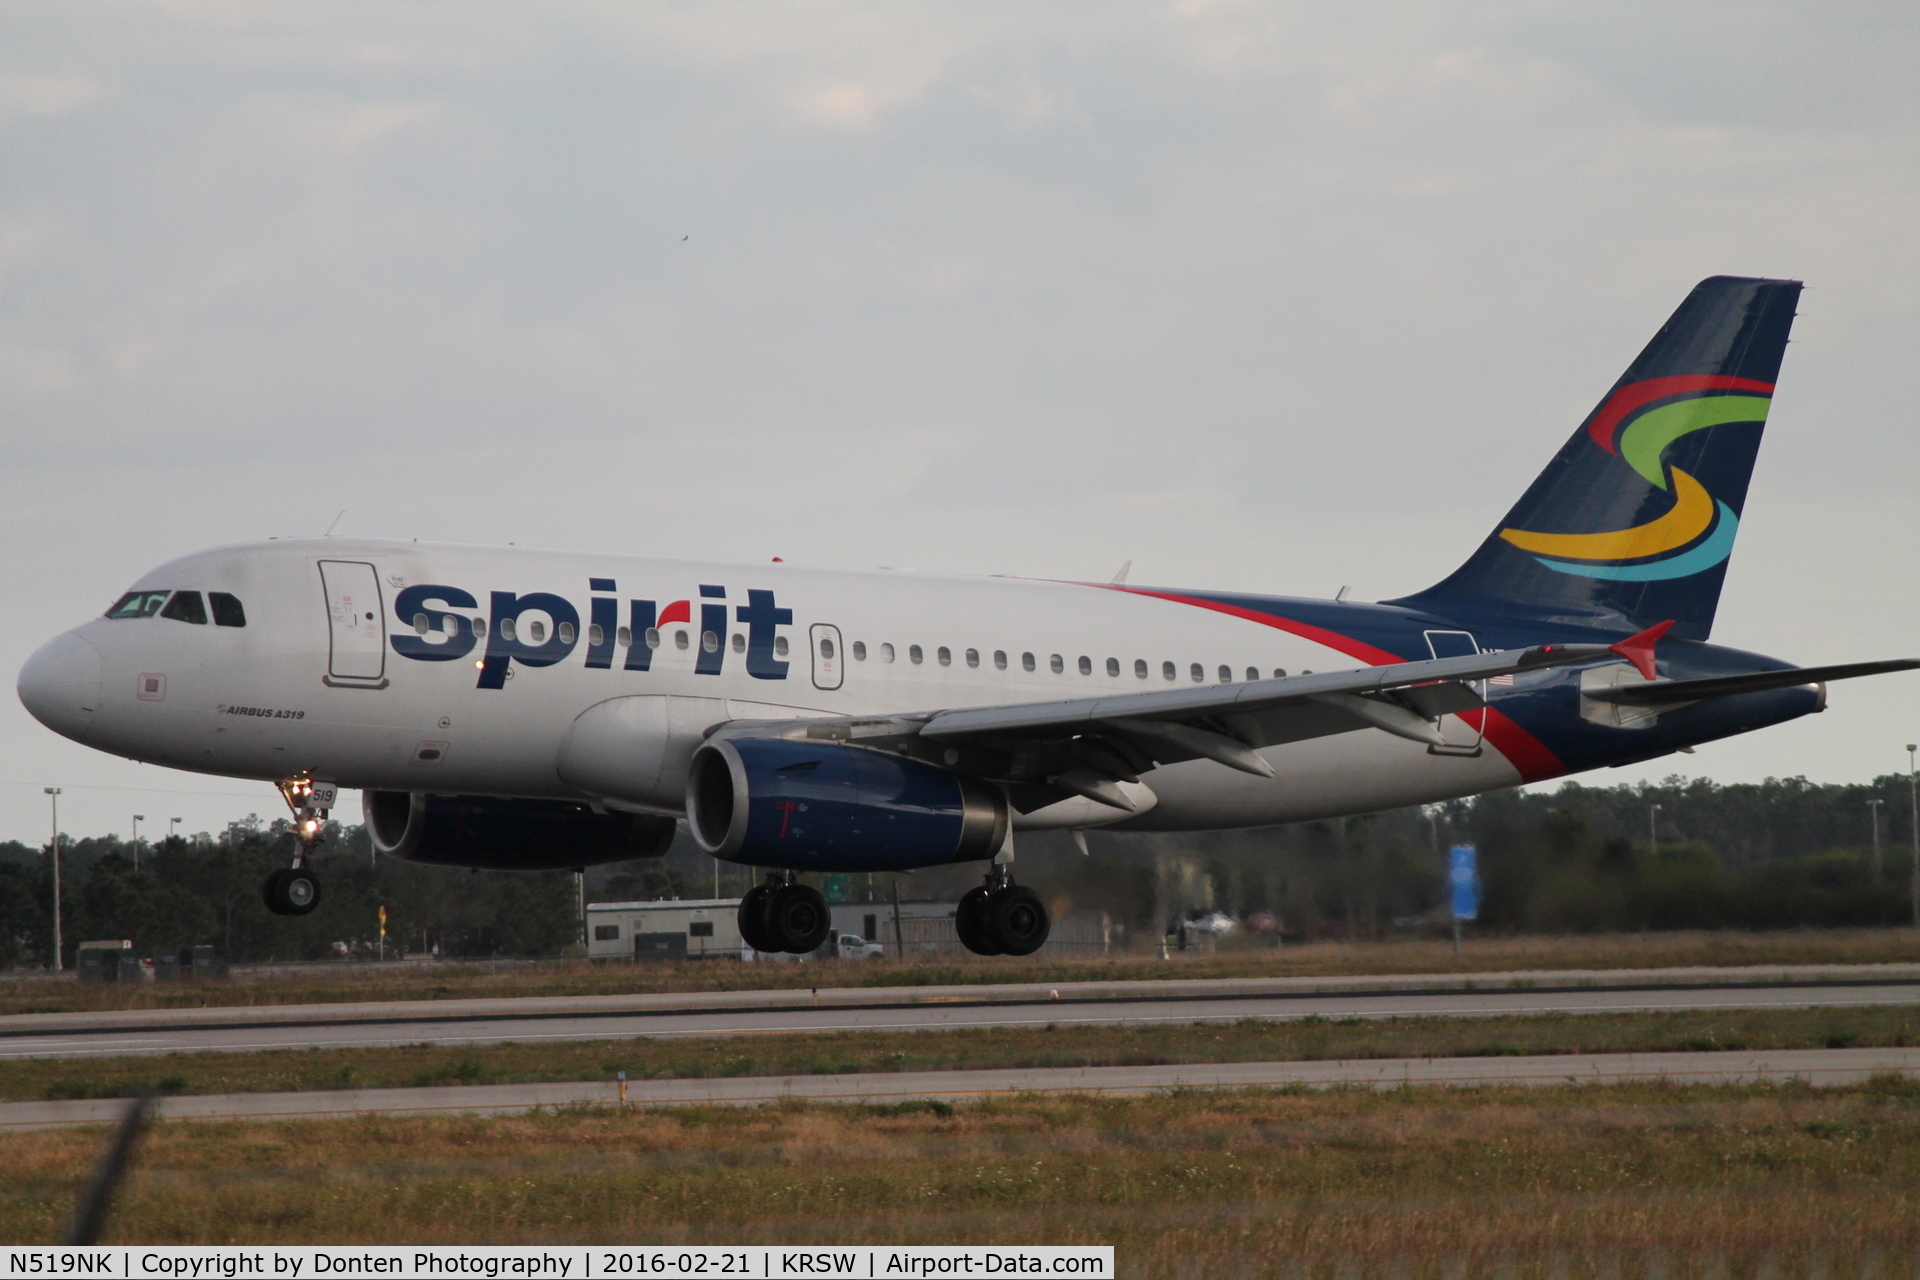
[(356, 624), (829, 662), (1463, 731)]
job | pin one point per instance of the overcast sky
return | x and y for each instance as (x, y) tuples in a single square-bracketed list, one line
[(1276, 297)]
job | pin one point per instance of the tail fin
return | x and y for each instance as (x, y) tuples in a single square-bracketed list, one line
[(1633, 520)]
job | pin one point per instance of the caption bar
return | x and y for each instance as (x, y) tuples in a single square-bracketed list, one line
[(564, 1262)]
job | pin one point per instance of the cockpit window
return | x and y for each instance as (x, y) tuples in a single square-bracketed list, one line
[(186, 606), (138, 604), (227, 611)]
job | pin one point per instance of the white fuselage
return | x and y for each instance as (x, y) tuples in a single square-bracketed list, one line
[(313, 686)]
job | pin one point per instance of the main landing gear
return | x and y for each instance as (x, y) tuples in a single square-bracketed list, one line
[(782, 914), (1001, 917), (295, 890)]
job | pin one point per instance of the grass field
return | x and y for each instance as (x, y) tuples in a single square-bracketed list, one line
[(449, 981), (1063, 1046), (1579, 1181)]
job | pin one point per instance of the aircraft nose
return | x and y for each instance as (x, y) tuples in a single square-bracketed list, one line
[(60, 685)]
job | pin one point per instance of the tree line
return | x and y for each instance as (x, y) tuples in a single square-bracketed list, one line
[(1579, 858)]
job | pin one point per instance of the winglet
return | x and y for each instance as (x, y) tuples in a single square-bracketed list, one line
[(1120, 579), (1639, 649), (338, 526)]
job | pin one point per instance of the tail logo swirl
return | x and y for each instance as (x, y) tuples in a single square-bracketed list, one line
[(1697, 532)]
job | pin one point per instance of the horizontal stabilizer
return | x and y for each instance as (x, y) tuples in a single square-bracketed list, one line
[(1646, 695)]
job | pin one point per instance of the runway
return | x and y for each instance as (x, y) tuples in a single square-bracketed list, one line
[(478, 1022), (1814, 1066)]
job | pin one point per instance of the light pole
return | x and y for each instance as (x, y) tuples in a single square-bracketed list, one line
[(54, 792), (1874, 807), (173, 827), (138, 818), (1653, 828), (1913, 788)]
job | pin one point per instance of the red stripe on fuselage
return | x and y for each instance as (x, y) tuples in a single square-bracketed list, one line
[(1631, 397), (1523, 751)]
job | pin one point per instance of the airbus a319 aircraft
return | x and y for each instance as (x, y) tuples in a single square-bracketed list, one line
[(525, 709)]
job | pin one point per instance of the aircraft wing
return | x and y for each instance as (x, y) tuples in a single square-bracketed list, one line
[(1084, 746)]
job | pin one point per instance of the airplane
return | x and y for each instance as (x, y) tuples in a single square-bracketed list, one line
[(515, 708)]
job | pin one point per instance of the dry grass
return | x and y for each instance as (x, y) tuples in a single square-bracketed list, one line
[(345, 982), (1059, 1046), (1255, 1183)]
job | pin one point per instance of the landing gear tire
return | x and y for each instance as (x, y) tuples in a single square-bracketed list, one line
[(970, 922), (753, 919), (1018, 919), (291, 891), (798, 918)]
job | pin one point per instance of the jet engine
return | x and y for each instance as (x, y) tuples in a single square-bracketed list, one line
[(813, 806), (507, 835)]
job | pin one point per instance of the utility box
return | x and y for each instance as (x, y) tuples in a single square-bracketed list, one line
[(108, 961), (179, 964)]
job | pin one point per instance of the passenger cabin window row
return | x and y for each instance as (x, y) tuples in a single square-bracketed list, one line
[(182, 606), (1057, 663)]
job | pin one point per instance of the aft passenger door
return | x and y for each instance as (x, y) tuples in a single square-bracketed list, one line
[(1464, 731), (829, 661), (356, 625)]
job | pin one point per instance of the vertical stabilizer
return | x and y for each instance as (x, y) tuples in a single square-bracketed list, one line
[(1634, 519)]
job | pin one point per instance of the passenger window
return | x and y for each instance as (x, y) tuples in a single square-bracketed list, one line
[(139, 604), (973, 657), (945, 655), (537, 631), (508, 631), (653, 638), (859, 650), (1279, 673), (913, 654), (1026, 662), (739, 643), (1226, 674), (886, 651), (1253, 673), (596, 635), (1199, 673), (1113, 666), (1058, 663), (780, 648), (826, 646), (1086, 665), (1000, 659), (711, 642), (566, 632), (1140, 668), (186, 606), (227, 610), (680, 640), (1166, 670), (419, 624), (623, 636)]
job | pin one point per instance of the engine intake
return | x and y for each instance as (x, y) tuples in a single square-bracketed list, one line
[(507, 835), (808, 806)]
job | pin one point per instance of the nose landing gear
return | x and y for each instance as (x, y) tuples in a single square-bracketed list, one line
[(781, 914), (295, 890), (1001, 917)]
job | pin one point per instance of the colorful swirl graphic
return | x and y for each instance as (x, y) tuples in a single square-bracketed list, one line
[(1697, 520)]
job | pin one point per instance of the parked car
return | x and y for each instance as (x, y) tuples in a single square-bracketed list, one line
[(854, 947)]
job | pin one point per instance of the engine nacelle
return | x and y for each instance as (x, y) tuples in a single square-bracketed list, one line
[(816, 806), (507, 835)]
